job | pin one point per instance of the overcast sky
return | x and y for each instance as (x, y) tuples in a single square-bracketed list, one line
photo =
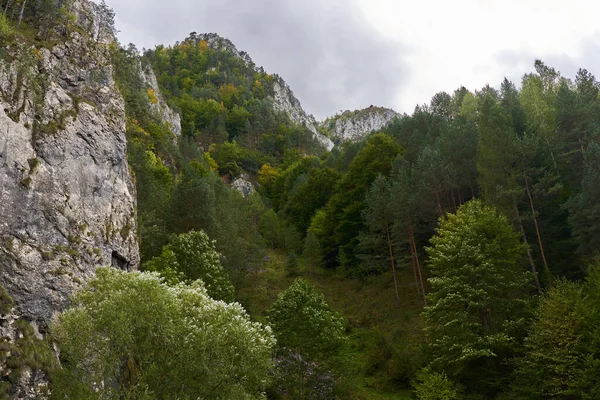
[(349, 54)]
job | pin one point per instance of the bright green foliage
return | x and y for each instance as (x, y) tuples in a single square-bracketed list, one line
[(131, 336), (194, 256), (224, 97), (302, 322), (538, 95), (554, 363), (434, 386), (6, 30), (477, 312)]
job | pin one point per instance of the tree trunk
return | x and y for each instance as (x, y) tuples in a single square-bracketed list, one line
[(437, 198), (414, 266), (453, 200), (531, 262), (7, 5), (21, 13), (537, 229), (412, 236), (387, 231)]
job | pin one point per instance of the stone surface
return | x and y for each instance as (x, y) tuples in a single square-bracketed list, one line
[(243, 185), (285, 101), (355, 125), (67, 200), (171, 119)]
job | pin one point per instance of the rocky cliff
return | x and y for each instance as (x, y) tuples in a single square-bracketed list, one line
[(285, 101), (355, 125), (157, 103), (67, 200)]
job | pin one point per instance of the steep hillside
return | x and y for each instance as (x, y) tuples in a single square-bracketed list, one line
[(224, 97), (355, 125)]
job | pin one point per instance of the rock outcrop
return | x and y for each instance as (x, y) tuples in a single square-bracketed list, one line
[(67, 199), (355, 125), (157, 103), (285, 101)]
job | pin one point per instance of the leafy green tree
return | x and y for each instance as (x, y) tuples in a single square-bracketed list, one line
[(554, 361), (130, 336), (477, 312), (379, 218), (309, 335), (193, 204), (345, 207), (303, 322), (194, 255), (430, 385)]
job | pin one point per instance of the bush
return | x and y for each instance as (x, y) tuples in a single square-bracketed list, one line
[(6, 29), (131, 336), (433, 386)]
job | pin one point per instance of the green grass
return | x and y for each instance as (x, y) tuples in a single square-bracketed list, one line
[(385, 339)]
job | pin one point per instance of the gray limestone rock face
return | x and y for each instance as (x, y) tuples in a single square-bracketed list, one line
[(243, 185), (354, 126), (171, 119), (67, 199), (285, 101)]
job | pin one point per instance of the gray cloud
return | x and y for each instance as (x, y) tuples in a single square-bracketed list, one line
[(325, 49), (516, 62)]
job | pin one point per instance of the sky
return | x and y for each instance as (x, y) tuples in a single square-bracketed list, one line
[(350, 54)]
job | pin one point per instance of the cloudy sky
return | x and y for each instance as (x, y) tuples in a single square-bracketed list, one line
[(349, 54)]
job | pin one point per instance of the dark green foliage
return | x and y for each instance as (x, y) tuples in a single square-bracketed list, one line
[(291, 265), (342, 222), (6, 302), (584, 207)]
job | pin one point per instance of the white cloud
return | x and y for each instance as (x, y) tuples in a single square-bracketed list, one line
[(462, 42)]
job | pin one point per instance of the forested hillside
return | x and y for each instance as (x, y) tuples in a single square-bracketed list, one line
[(451, 254)]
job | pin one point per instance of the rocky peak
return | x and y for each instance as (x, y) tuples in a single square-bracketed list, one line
[(283, 99), (355, 125)]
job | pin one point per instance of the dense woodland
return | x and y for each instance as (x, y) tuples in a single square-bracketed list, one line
[(452, 255)]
